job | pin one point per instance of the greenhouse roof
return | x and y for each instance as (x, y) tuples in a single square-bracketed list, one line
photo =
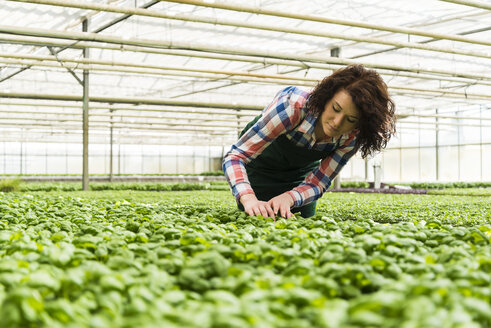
[(195, 71)]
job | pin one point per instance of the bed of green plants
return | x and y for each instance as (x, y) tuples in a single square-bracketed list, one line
[(205, 173), (461, 191), (138, 186), (445, 185), (190, 259)]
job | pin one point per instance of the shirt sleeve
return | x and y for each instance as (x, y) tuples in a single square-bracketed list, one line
[(317, 182), (280, 116)]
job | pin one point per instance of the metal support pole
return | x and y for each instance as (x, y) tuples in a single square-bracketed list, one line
[(194, 160), (377, 174), (238, 123), (111, 148), (400, 157), (21, 151), (436, 147), (337, 182), (177, 163), (335, 52), (85, 118), (419, 150), (4, 159), (119, 157), (480, 139), (143, 160), (160, 160), (46, 159), (458, 147)]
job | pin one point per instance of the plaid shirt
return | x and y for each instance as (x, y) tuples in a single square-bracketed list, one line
[(287, 114)]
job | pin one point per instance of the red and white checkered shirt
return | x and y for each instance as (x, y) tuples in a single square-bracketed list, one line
[(287, 114)]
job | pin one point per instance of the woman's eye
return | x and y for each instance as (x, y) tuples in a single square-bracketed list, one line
[(335, 109)]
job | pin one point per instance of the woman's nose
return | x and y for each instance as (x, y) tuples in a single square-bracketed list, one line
[(338, 120)]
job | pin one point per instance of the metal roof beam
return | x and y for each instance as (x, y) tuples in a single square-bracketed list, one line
[(244, 117), (243, 24), (116, 116), (323, 19), (209, 111), (53, 122), (243, 58), (224, 75), (105, 127), (72, 35), (100, 29), (476, 4), (132, 100)]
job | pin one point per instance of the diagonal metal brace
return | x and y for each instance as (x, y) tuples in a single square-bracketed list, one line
[(55, 54)]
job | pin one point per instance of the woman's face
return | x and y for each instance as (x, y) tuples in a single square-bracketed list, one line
[(340, 116)]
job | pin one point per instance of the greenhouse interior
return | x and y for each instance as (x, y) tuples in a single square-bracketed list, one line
[(119, 119)]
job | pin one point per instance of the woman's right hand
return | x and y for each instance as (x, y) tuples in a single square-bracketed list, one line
[(253, 206)]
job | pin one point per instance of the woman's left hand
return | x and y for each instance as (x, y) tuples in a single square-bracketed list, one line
[(282, 203)]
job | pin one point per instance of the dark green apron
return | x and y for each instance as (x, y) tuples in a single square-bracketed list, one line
[(281, 167)]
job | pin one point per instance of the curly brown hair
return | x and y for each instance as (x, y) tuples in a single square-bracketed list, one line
[(370, 96)]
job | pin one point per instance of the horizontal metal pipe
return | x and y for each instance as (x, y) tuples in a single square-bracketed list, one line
[(442, 92), (123, 141), (443, 123), (130, 100), (244, 117), (165, 125), (233, 76), (237, 77), (440, 146), (446, 117), (121, 124), (28, 129), (227, 74), (121, 116), (243, 24), (135, 136), (241, 113), (323, 19), (103, 139), (435, 94), (219, 56), (476, 4), (147, 66), (209, 111), (86, 36), (94, 127)]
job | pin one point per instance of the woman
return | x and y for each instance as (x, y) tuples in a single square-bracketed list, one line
[(287, 156)]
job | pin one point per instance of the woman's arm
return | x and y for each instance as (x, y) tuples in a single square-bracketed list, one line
[(317, 182), (281, 115)]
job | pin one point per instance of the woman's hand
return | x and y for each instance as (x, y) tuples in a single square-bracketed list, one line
[(253, 206), (282, 203)]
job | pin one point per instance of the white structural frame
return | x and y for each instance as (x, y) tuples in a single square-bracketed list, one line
[(454, 85)]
